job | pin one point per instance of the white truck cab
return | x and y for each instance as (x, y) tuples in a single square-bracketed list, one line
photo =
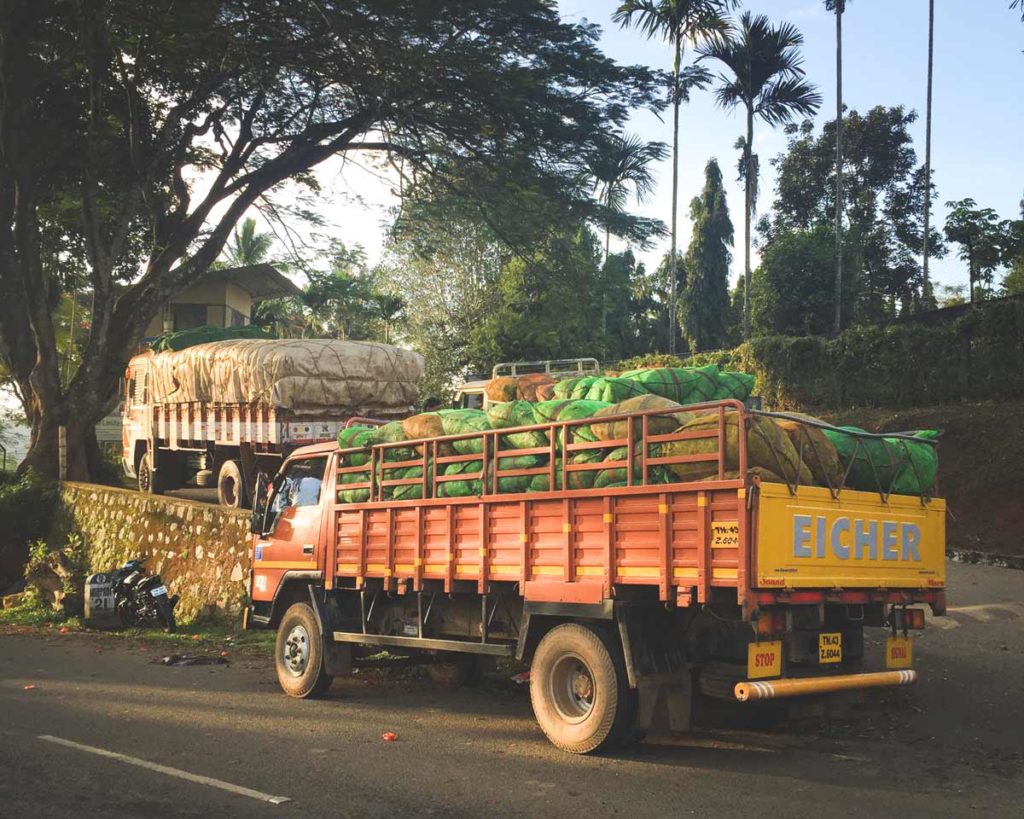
[(472, 395)]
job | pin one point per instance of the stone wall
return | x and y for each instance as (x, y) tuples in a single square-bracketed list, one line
[(198, 549)]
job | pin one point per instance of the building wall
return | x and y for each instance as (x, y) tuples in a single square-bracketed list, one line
[(213, 292), (199, 550)]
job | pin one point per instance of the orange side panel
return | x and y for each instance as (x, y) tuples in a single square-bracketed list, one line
[(571, 547)]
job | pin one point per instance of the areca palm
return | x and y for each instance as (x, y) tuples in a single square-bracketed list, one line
[(763, 73), (677, 21), (618, 163), (839, 7), (926, 288)]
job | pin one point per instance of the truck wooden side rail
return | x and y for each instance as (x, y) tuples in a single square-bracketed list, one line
[(616, 596)]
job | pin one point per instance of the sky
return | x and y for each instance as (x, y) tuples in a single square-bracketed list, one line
[(977, 131)]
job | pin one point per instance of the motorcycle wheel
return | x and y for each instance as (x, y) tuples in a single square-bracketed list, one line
[(165, 614)]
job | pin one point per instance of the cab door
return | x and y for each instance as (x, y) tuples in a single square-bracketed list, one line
[(293, 521)]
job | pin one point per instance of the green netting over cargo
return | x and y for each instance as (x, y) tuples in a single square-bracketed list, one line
[(611, 478), (614, 390), (886, 464), (734, 385), (182, 339), (684, 385), (547, 411), (575, 480)]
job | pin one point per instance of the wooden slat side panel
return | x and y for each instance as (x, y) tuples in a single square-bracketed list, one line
[(435, 541), (724, 507), (544, 522), (503, 541), (468, 541), (684, 510), (637, 541)]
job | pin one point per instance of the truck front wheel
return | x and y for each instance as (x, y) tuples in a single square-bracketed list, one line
[(299, 654), (150, 481), (579, 690)]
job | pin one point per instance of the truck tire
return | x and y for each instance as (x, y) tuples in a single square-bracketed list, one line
[(299, 654), (230, 486), (149, 481), (579, 690)]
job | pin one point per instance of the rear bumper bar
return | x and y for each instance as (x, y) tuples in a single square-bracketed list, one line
[(773, 689)]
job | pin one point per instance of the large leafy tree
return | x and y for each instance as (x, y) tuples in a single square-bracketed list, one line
[(762, 72), (678, 22), (705, 303), (620, 164), (884, 190), (838, 7), (982, 237), (136, 133)]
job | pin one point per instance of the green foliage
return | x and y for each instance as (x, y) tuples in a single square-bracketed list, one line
[(883, 203), (27, 508), (648, 360), (793, 292), (705, 299), (977, 357), (982, 237)]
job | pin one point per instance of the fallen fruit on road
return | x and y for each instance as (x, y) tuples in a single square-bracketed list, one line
[(388, 736), (30, 688)]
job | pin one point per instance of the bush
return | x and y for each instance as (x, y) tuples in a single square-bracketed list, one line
[(27, 507), (980, 356)]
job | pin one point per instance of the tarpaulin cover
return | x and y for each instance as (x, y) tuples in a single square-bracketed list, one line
[(180, 339), (306, 376)]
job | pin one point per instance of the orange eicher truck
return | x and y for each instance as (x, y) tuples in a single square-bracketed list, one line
[(723, 578)]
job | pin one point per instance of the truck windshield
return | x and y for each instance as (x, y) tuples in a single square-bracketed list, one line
[(301, 485)]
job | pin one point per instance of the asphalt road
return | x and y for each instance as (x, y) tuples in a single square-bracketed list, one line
[(952, 746)]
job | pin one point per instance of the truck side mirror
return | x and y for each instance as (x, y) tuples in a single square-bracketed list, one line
[(258, 519)]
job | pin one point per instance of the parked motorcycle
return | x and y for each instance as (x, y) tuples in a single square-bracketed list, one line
[(142, 598)]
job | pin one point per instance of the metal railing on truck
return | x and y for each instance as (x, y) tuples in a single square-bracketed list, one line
[(564, 441)]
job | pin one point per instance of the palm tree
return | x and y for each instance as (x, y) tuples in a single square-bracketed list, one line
[(618, 163), (677, 21), (839, 6), (925, 284), (388, 308), (766, 77), (247, 246)]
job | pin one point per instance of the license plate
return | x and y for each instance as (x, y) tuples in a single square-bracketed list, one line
[(764, 660), (159, 590), (830, 647), (899, 652)]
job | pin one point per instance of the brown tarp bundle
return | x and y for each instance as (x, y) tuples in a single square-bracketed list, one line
[(305, 376)]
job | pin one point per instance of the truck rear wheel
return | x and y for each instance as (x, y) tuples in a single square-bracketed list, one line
[(579, 690), (299, 654), (230, 486)]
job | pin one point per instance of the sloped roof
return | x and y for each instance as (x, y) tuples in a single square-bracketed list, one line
[(261, 281)]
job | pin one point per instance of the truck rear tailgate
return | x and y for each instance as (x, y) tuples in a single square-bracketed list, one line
[(810, 540)]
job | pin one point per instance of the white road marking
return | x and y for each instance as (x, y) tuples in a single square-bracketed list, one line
[(164, 769)]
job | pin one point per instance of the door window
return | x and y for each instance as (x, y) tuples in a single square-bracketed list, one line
[(300, 486)]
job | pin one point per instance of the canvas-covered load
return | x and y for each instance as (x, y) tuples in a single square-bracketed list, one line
[(313, 377)]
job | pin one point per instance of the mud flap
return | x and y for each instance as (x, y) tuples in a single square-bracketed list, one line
[(337, 656), (661, 693)]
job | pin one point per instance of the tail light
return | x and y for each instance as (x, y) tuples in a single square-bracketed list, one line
[(907, 619), (771, 621)]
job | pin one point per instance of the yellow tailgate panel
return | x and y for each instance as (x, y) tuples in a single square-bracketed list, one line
[(809, 540)]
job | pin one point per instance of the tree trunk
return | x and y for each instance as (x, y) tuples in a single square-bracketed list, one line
[(839, 167), (926, 283), (748, 150), (673, 297)]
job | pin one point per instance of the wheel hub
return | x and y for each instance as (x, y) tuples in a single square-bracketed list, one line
[(572, 688), (296, 651)]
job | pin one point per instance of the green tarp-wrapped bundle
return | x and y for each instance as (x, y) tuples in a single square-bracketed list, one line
[(449, 422), (684, 385), (614, 390), (516, 414), (876, 464), (547, 411), (356, 436), (611, 478), (473, 485), (580, 387), (577, 480), (734, 385), (182, 339)]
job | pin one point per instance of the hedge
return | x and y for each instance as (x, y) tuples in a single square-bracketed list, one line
[(979, 356)]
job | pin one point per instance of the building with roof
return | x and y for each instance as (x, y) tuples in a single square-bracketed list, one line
[(224, 297)]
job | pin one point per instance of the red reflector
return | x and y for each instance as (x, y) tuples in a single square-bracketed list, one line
[(915, 618)]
